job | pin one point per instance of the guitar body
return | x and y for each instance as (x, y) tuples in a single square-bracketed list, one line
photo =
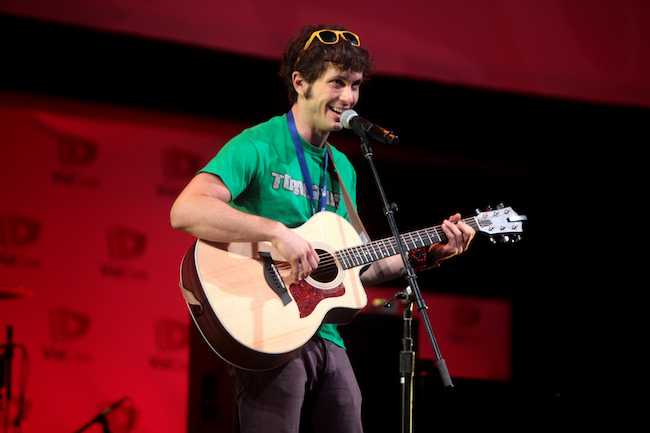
[(247, 307)]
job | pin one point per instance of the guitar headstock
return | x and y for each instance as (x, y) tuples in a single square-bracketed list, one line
[(502, 224)]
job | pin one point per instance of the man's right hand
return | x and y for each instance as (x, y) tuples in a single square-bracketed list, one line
[(297, 251)]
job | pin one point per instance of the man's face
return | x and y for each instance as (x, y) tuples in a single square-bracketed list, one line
[(329, 96)]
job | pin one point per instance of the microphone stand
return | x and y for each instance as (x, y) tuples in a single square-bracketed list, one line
[(101, 417), (407, 367), (11, 421), (411, 277), (406, 358), (6, 380)]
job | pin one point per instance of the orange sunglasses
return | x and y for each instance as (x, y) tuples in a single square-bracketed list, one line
[(331, 37)]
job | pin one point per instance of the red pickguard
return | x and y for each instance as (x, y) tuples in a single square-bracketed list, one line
[(307, 297)]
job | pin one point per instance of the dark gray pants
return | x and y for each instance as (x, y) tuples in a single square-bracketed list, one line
[(314, 392)]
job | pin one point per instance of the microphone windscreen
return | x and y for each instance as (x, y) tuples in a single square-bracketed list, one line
[(346, 116)]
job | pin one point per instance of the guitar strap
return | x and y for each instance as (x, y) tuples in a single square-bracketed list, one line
[(354, 216)]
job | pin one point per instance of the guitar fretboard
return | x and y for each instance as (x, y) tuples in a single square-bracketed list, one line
[(380, 249)]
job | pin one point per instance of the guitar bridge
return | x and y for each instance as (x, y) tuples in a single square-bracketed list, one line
[(273, 279)]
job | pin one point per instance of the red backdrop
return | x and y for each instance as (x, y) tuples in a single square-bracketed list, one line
[(84, 205), (579, 49)]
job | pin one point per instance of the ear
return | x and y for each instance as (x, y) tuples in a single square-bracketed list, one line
[(299, 83)]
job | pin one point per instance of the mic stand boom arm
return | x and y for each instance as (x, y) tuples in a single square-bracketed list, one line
[(101, 417), (411, 277)]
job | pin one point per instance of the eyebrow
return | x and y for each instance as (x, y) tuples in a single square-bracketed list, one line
[(342, 77)]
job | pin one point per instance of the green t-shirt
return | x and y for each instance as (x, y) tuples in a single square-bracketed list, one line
[(262, 172)]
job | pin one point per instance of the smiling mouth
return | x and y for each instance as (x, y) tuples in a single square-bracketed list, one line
[(338, 111)]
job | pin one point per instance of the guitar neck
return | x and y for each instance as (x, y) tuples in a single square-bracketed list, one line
[(371, 252)]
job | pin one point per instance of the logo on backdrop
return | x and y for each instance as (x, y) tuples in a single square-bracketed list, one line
[(68, 329), (466, 318), (75, 156), (171, 340), (178, 166), (124, 246), (68, 325), (171, 335), (76, 151), (17, 234)]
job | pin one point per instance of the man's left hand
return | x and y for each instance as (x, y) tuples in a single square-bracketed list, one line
[(459, 236)]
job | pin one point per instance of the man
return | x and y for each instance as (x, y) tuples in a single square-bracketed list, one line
[(270, 178)]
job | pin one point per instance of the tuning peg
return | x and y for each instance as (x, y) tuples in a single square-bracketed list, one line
[(488, 208), (506, 239), (493, 240), (478, 211), (501, 205)]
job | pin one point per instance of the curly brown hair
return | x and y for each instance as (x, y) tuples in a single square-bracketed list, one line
[(314, 61)]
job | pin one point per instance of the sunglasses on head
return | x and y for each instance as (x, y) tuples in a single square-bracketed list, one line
[(331, 37)]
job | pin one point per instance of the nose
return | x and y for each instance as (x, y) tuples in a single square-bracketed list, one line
[(348, 96)]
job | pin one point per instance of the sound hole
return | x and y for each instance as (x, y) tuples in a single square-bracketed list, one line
[(327, 267)]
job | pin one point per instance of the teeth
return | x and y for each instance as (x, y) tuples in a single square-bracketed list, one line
[(336, 110)]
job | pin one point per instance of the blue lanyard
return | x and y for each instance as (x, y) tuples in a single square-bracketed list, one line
[(300, 152)]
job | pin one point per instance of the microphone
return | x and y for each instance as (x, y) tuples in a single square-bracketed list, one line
[(351, 120)]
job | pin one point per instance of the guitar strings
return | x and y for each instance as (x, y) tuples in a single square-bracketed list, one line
[(360, 253)]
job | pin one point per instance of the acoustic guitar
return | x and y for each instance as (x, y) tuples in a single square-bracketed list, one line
[(253, 315)]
